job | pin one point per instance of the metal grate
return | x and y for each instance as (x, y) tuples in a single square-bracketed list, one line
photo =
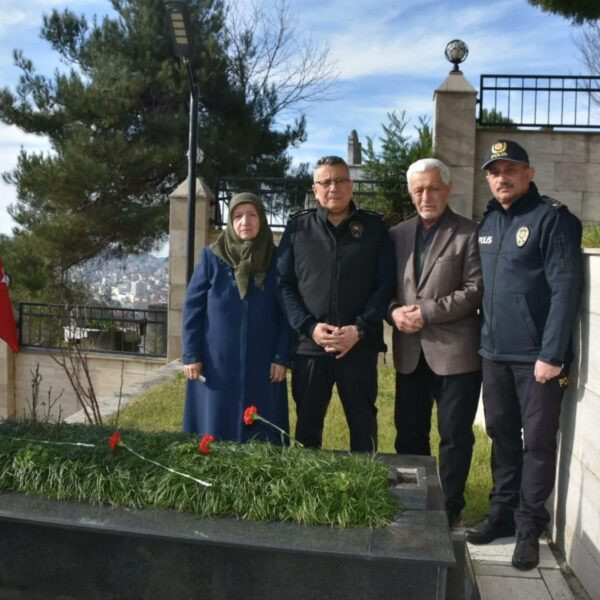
[(282, 197), (552, 101), (142, 332)]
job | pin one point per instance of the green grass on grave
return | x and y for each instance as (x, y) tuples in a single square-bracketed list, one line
[(161, 409)]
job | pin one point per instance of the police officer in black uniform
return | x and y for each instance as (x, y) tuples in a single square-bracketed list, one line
[(336, 272), (532, 280)]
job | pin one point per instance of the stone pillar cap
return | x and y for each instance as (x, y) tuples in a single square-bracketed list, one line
[(455, 83), (202, 189)]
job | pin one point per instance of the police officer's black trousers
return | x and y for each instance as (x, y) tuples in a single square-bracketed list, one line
[(457, 397), (523, 466), (355, 376)]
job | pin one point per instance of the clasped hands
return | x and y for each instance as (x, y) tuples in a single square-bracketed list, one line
[(336, 339), (408, 318)]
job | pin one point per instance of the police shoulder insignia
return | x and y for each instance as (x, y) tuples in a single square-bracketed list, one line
[(563, 381), (300, 213), (522, 236), (356, 229), (552, 202)]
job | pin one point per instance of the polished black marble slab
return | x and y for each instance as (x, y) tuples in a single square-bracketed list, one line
[(63, 550)]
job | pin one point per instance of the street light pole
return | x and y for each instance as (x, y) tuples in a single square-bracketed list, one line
[(182, 42), (192, 156)]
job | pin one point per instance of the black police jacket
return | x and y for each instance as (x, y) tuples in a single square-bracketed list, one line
[(532, 280), (340, 275)]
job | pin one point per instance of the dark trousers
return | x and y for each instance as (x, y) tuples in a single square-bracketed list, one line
[(457, 397), (522, 418), (355, 376)]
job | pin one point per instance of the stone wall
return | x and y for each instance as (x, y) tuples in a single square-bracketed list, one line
[(105, 372), (7, 380), (567, 167), (575, 524), (567, 163), (576, 518)]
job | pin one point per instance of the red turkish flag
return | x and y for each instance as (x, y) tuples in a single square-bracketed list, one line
[(8, 329)]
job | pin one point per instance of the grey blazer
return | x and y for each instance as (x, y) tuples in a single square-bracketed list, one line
[(449, 293)]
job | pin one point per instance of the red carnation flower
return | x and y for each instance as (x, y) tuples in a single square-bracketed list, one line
[(205, 444), (250, 415), (114, 440)]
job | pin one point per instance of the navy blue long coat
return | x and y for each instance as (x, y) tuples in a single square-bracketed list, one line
[(236, 340)]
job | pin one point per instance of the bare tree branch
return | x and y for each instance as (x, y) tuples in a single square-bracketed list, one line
[(271, 61), (588, 44)]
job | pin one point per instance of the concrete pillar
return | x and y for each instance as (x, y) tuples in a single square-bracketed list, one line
[(354, 149), (7, 381), (454, 137), (177, 252)]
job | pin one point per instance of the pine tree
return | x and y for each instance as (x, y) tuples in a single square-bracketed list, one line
[(389, 165), (117, 123), (579, 11)]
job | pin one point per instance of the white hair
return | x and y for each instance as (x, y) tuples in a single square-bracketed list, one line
[(428, 164)]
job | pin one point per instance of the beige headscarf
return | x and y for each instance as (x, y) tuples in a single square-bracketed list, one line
[(251, 257)]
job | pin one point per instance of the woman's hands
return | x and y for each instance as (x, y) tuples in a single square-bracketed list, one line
[(193, 371), (277, 373)]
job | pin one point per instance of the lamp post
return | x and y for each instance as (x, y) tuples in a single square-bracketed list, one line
[(456, 52), (181, 29)]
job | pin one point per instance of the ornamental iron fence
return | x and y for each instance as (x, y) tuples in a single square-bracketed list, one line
[(112, 330), (282, 197), (549, 101)]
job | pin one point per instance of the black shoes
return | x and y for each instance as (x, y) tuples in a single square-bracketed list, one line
[(526, 555), (527, 552), (488, 530)]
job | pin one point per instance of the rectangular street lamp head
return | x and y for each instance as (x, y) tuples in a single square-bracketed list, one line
[(181, 28)]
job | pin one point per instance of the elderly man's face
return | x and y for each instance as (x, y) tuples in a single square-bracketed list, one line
[(508, 180), (333, 189), (429, 195)]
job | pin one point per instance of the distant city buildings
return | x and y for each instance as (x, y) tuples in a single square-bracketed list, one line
[(133, 282), (138, 281)]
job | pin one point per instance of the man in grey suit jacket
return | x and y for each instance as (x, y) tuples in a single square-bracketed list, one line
[(436, 328)]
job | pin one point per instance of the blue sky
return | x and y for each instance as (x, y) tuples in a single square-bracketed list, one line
[(390, 55)]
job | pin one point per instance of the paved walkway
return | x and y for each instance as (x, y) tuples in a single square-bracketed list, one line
[(497, 579), (109, 404)]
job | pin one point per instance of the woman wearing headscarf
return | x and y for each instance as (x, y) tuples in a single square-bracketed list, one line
[(236, 343)]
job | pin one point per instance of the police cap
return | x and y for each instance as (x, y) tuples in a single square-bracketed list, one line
[(505, 150)]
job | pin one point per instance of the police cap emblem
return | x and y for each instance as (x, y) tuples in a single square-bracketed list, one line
[(499, 149), (522, 236), (356, 229)]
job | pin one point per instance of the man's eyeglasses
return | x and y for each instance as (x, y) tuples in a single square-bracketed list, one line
[(326, 183)]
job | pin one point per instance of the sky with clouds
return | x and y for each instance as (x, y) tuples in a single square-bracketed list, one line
[(389, 53)]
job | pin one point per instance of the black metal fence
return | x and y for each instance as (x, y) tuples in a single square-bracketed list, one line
[(553, 101), (141, 332), (283, 197)]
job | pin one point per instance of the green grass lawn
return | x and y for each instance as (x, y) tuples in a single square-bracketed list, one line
[(161, 409)]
